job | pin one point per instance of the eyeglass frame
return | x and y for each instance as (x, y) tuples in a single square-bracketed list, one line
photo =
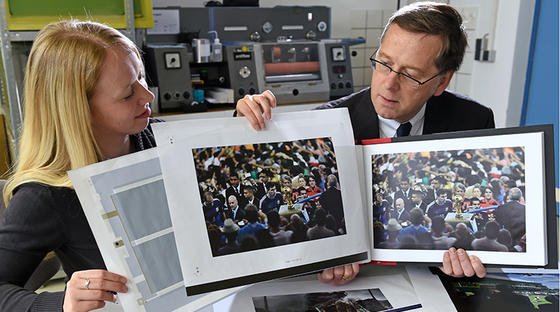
[(391, 70)]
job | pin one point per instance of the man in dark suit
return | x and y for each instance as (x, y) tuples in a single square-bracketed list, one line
[(331, 201), (436, 184), (407, 86), (399, 212), (418, 200), (234, 212), (421, 47), (511, 215), (404, 192), (235, 188)]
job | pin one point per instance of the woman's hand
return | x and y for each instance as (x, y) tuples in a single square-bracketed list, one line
[(339, 275), (256, 108), (88, 290), (457, 263)]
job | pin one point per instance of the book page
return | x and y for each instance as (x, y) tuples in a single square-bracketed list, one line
[(125, 204), (228, 243), (471, 180)]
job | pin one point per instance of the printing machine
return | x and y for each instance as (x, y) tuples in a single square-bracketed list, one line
[(286, 49)]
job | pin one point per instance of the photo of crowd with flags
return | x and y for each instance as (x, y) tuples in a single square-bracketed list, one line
[(472, 199), (264, 195)]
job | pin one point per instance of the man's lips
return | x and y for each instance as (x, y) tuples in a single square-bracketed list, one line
[(387, 99)]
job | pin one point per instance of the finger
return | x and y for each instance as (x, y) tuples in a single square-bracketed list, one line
[(94, 295), (266, 102), (326, 276), (446, 268), (106, 285), (465, 262), (259, 107), (87, 305), (251, 110), (338, 273), (455, 263), (100, 274), (271, 101), (479, 268), (355, 269), (350, 272)]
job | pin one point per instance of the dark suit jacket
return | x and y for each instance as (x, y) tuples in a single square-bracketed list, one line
[(331, 201), (238, 216), (239, 195), (511, 216), (445, 113)]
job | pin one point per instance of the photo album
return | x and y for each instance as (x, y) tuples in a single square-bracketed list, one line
[(219, 205)]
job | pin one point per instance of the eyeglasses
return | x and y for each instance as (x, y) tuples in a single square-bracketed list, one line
[(403, 78)]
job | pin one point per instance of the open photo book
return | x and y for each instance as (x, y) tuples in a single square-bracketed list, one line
[(218, 204)]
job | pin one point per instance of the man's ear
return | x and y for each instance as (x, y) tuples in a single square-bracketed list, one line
[(443, 82)]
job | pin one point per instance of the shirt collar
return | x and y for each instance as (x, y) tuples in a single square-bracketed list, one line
[(388, 127)]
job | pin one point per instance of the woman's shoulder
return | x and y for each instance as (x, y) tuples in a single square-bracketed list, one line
[(35, 194)]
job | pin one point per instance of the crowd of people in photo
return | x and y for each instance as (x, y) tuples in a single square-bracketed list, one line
[(270, 194), (470, 199)]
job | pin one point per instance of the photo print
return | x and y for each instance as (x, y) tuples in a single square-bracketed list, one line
[(470, 198), (515, 292), (264, 195), (362, 300)]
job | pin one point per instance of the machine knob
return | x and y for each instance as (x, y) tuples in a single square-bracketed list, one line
[(267, 27), (348, 85), (186, 94), (244, 72), (222, 79), (295, 92), (311, 35), (241, 91), (255, 36), (167, 96), (321, 26), (252, 91), (340, 85)]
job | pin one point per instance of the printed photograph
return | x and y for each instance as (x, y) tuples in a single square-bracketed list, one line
[(504, 292), (472, 199), (364, 300), (265, 195)]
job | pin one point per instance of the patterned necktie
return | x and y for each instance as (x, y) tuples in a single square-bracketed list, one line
[(404, 129)]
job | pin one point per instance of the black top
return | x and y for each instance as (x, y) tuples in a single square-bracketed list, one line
[(40, 219), (445, 113)]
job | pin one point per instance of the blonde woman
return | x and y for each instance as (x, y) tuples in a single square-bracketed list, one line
[(85, 100)]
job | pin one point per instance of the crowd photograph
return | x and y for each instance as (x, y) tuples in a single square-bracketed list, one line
[(361, 300), (257, 196), (472, 199)]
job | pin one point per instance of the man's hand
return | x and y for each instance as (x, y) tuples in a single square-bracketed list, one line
[(339, 275), (257, 108), (457, 263)]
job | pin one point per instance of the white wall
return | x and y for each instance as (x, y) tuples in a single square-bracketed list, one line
[(499, 84)]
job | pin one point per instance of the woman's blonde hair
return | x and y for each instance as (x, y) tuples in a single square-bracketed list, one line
[(63, 68)]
